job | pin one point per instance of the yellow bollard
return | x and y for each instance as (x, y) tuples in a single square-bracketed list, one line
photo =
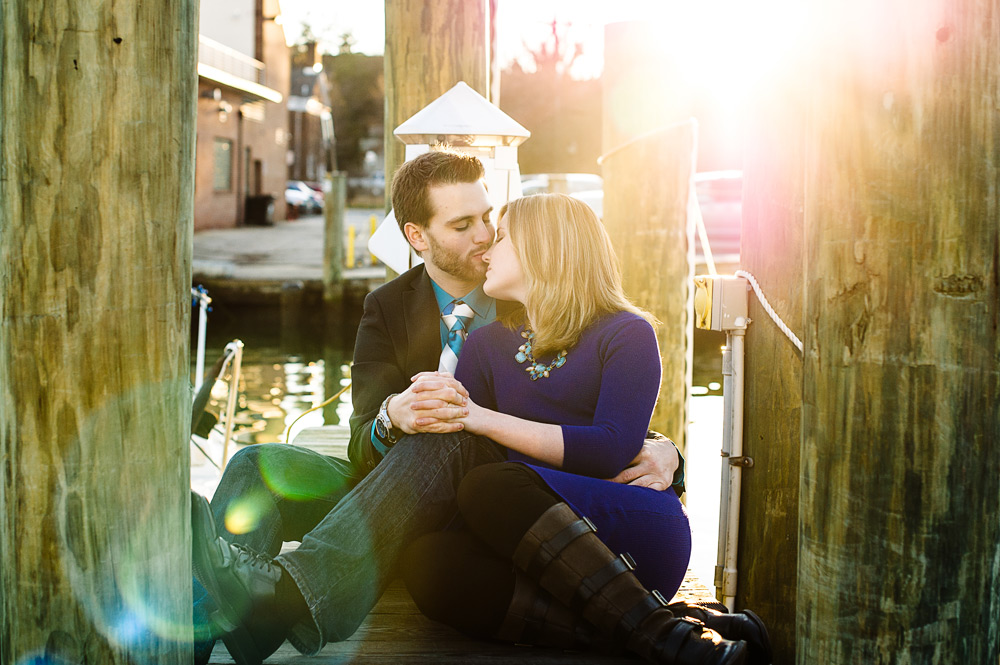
[(349, 259), (373, 224)]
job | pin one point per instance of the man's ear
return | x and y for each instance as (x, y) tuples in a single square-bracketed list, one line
[(415, 236)]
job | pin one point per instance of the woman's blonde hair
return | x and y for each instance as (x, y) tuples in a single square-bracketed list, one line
[(570, 269)]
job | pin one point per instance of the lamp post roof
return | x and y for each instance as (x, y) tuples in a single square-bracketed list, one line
[(463, 117)]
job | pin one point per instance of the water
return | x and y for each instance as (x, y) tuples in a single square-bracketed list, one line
[(285, 376)]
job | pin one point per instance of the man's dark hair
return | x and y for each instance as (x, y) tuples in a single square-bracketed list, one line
[(410, 201)]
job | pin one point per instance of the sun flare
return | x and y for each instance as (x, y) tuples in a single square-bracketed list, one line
[(722, 48)]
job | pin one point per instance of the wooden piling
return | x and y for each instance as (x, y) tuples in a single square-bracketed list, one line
[(771, 250), (646, 183), (97, 119), (640, 83), (900, 494), (426, 53), (292, 306), (333, 237)]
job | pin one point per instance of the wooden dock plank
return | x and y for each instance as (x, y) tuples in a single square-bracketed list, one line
[(329, 440), (396, 632)]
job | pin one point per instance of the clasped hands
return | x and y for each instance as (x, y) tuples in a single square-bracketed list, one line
[(437, 402), (434, 402)]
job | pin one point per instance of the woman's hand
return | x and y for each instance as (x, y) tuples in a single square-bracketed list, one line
[(542, 441), (476, 418)]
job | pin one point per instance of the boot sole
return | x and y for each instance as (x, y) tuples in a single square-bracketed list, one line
[(735, 655), (206, 558)]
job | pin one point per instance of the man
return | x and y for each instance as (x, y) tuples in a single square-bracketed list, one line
[(443, 210), (402, 438)]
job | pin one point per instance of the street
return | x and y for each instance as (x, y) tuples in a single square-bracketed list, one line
[(289, 250)]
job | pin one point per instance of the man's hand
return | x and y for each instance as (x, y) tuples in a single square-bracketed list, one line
[(653, 467), (432, 403)]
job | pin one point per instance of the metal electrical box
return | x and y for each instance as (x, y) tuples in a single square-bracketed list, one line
[(720, 302)]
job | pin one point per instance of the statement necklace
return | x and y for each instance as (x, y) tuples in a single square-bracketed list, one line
[(536, 369)]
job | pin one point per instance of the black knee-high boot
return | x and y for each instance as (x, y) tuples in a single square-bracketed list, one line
[(563, 554)]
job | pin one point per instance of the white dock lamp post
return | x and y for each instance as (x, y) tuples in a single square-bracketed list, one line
[(461, 120)]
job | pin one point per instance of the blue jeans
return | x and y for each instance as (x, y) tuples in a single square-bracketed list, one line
[(269, 494), (345, 563)]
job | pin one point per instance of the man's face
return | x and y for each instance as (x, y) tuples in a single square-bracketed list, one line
[(459, 232)]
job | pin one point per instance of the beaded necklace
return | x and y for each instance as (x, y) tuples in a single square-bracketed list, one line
[(535, 368)]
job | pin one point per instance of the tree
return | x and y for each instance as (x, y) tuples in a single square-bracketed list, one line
[(563, 114), (358, 105), (347, 42)]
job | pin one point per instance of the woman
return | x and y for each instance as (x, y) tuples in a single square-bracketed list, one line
[(567, 384)]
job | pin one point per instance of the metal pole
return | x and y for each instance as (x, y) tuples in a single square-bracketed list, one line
[(234, 390), (732, 452), (203, 302)]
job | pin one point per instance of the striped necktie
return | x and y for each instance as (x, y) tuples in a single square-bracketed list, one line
[(456, 316)]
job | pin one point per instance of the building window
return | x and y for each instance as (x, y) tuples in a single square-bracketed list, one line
[(222, 176)]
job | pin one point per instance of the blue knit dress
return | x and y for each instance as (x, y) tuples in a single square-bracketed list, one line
[(603, 397)]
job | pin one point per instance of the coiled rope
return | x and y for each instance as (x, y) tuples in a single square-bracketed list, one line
[(770, 310)]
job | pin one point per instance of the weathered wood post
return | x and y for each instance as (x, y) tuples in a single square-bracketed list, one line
[(333, 257), (426, 53), (900, 496), (97, 112), (646, 184), (771, 249), (333, 237)]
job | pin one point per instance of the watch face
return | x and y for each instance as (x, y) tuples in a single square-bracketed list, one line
[(380, 428)]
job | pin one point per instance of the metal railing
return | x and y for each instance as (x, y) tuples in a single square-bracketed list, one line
[(231, 61)]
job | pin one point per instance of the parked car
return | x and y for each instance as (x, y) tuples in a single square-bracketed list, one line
[(560, 183), (592, 197), (372, 185), (307, 200), (720, 197)]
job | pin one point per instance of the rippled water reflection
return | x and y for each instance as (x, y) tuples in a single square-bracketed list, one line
[(279, 383)]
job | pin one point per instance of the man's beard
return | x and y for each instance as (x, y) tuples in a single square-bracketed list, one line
[(456, 265)]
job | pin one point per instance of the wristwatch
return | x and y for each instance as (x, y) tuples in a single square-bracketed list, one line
[(383, 424)]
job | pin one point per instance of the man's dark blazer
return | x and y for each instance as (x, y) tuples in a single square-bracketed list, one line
[(399, 336)]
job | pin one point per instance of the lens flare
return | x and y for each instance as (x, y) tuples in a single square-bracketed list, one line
[(244, 514), (291, 483)]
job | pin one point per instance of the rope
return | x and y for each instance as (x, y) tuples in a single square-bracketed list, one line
[(207, 456), (770, 310), (318, 406), (653, 132), (694, 209)]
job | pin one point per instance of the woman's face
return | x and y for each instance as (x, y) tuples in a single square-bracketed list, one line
[(504, 276)]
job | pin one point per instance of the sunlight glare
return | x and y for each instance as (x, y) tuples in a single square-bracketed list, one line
[(722, 48)]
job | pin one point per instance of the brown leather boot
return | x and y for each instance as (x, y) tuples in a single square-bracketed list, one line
[(745, 625), (536, 618), (563, 554)]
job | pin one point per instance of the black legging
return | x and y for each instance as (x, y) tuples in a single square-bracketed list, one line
[(465, 578)]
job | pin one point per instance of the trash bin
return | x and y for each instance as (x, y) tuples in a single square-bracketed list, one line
[(259, 210)]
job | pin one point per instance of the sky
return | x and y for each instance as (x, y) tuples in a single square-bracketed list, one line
[(520, 22), (722, 46)]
